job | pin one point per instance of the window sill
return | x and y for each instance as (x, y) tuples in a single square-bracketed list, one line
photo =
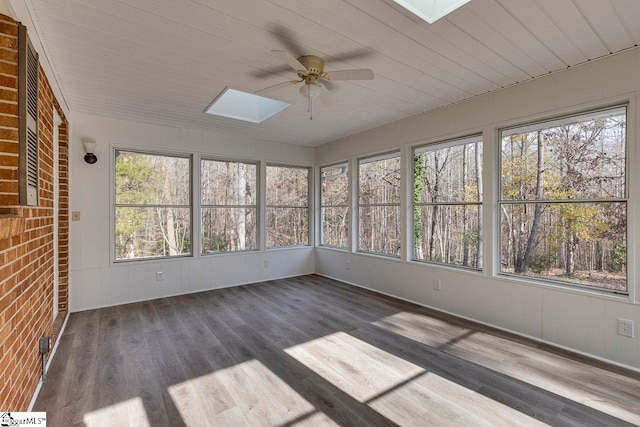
[(562, 287), (448, 267), (285, 248)]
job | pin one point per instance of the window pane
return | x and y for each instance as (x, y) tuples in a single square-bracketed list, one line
[(148, 179), (152, 232), (579, 243), (228, 183), (228, 229), (451, 174), (379, 181), (287, 226), (448, 234), (287, 186), (335, 185), (380, 229), (580, 160), (335, 227)]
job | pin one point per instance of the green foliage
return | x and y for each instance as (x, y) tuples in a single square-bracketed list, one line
[(617, 259), (217, 243), (542, 262)]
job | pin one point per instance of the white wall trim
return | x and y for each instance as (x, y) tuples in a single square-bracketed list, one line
[(177, 294), (23, 11)]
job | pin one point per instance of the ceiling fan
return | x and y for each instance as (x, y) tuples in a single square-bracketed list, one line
[(310, 70)]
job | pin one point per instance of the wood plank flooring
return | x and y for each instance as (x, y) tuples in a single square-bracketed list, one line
[(312, 351)]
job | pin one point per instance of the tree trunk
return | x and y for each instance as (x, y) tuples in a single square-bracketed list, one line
[(242, 213), (418, 186), (599, 261), (465, 237), (571, 249), (479, 197), (537, 212), (434, 210), (171, 233)]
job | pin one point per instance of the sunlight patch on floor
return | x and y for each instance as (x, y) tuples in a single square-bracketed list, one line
[(444, 403), (244, 394), (421, 328), (127, 413), (354, 366), (539, 368)]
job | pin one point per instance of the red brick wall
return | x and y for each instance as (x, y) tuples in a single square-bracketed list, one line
[(26, 235), (9, 112)]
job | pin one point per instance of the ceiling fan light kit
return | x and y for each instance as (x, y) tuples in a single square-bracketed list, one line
[(311, 90)]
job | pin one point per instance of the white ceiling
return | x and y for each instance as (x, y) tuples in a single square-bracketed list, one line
[(163, 61)]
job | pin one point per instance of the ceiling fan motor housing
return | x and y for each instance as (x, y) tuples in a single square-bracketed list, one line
[(313, 64)]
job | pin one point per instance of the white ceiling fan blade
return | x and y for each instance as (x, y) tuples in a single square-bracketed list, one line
[(360, 74), (289, 59), (275, 87), (326, 97)]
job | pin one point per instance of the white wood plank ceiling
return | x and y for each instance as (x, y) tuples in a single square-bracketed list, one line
[(163, 61)]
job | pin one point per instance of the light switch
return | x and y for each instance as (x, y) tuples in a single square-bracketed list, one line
[(75, 216)]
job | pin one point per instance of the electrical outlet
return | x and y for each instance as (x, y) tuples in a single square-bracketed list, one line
[(625, 328), (347, 265), (75, 216), (159, 276), (266, 263), (437, 284)]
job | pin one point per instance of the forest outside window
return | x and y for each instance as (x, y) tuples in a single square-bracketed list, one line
[(152, 209), (228, 206), (447, 203), (287, 206), (334, 205), (379, 204), (563, 201)]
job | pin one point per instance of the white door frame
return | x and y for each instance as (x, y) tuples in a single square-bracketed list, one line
[(57, 121)]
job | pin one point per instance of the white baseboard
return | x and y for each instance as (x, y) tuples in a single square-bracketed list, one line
[(46, 368), (177, 294), (550, 343)]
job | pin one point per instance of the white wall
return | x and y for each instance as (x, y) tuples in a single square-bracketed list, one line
[(579, 320), (95, 281)]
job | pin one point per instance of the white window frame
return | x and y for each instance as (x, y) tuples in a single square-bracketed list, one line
[(114, 205), (548, 123), (347, 204), (435, 146), (308, 206), (204, 206), (401, 232)]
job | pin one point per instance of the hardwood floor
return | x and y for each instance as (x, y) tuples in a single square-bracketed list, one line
[(312, 351)]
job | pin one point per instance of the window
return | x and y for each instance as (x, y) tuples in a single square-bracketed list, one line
[(447, 203), (563, 200), (334, 205), (152, 208), (379, 204), (228, 206), (287, 206)]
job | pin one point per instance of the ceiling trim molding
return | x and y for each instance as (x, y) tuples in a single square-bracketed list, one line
[(23, 11)]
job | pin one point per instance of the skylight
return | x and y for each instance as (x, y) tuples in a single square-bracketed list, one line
[(431, 10), (240, 105)]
